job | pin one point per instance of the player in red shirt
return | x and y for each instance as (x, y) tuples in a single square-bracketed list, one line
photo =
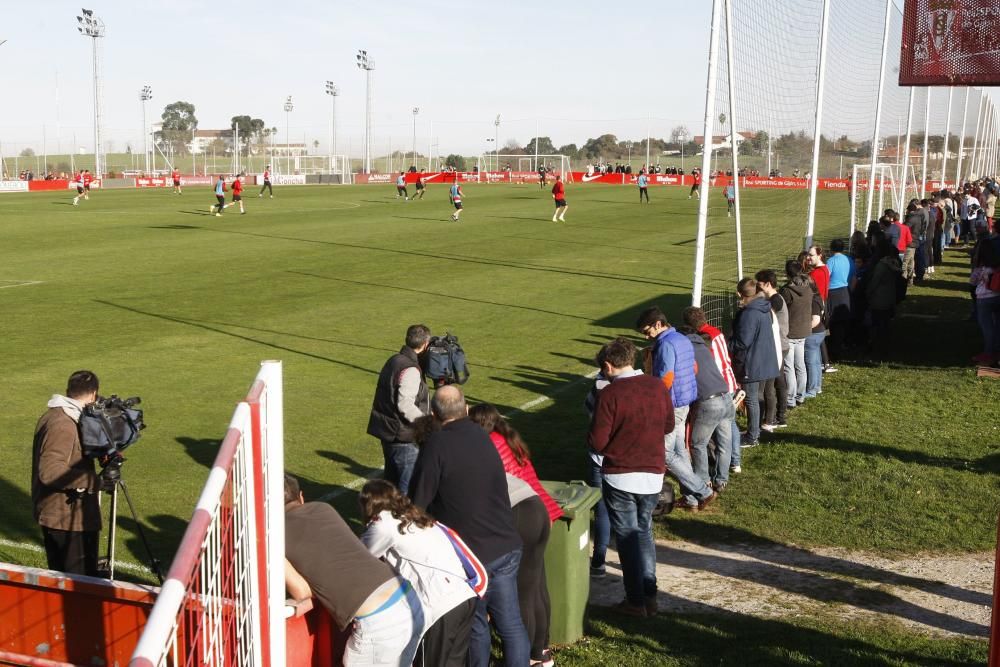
[(267, 183), (237, 187), (78, 179), (176, 175), (696, 175), (559, 196)]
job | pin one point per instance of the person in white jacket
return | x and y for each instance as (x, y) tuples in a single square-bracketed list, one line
[(419, 550)]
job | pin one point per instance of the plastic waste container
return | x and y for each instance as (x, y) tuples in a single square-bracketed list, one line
[(567, 559)]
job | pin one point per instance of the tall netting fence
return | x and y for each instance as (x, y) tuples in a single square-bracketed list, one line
[(764, 127)]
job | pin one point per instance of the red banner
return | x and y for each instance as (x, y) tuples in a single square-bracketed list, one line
[(58, 184), (950, 43)]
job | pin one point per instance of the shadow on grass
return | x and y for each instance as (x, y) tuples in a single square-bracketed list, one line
[(426, 292), (201, 325), (201, 450), (592, 244), (175, 226), (18, 521), (737, 540), (483, 261), (714, 636), (985, 465)]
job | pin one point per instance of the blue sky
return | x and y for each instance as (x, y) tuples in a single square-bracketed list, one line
[(573, 69)]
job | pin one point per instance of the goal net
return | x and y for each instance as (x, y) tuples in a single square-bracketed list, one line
[(525, 165), (872, 193), (223, 600)]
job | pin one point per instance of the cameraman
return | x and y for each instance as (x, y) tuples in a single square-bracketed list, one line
[(64, 484), (401, 398)]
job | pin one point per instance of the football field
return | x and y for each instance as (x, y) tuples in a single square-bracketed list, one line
[(165, 301)]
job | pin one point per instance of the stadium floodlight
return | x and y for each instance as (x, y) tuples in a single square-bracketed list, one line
[(628, 145), (333, 92), (93, 27), (367, 63), (145, 95), (416, 110), (289, 107)]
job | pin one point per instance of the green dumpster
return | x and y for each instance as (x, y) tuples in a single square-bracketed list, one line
[(567, 559)]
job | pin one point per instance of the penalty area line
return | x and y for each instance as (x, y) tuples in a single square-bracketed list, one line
[(29, 546), (19, 283)]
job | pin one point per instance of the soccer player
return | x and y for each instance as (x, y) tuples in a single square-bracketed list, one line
[(420, 188), (559, 196), (267, 183), (237, 188), (730, 193), (643, 184), (696, 175), (87, 180), (542, 177), (220, 195), (401, 187), (176, 175), (455, 193), (78, 179)]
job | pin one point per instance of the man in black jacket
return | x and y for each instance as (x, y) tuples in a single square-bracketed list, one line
[(460, 480), (401, 398)]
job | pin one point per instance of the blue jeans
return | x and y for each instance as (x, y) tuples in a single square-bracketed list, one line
[(602, 525), (631, 517), (679, 463), (794, 368), (752, 401), (734, 428), (988, 315), (400, 457), (714, 416), (814, 364), (501, 602)]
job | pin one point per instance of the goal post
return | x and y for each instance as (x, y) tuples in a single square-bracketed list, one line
[(223, 600), (874, 191), (525, 164)]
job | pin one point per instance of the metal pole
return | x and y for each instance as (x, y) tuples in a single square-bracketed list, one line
[(906, 154), (706, 159), (927, 131), (975, 143), (821, 77), (145, 137), (878, 106), (961, 140), (947, 134), (731, 68), (854, 198), (97, 114), (536, 144), (647, 142)]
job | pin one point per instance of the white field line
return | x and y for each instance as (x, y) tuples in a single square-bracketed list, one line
[(20, 283), (30, 546), (357, 483)]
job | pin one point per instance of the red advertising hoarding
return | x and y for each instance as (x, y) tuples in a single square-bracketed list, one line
[(950, 43)]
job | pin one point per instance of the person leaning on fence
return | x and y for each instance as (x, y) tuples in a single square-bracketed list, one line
[(755, 359), (401, 397), (64, 484), (325, 560), (419, 550), (459, 479)]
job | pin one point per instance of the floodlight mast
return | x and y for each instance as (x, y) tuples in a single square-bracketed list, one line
[(367, 63), (416, 110), (496, 143), (333, 92), (93, 27), (289, 107), (145, 95)]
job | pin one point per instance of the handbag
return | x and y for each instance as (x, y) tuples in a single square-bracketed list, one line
[(994, 284)]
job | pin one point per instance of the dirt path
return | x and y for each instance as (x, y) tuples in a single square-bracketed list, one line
[(936, 595)]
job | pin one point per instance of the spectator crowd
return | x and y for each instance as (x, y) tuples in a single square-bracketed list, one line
[(455, 535)]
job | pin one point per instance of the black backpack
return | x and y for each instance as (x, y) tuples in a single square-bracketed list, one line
[(446, 361)]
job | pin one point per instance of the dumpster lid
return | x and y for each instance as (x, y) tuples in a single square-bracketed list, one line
[(575, 497)]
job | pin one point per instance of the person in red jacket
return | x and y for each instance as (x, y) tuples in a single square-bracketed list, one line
[(532, 518), (559, 196), (237, 188)]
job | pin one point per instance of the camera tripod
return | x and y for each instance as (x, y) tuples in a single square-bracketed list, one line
[(112, 475)]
